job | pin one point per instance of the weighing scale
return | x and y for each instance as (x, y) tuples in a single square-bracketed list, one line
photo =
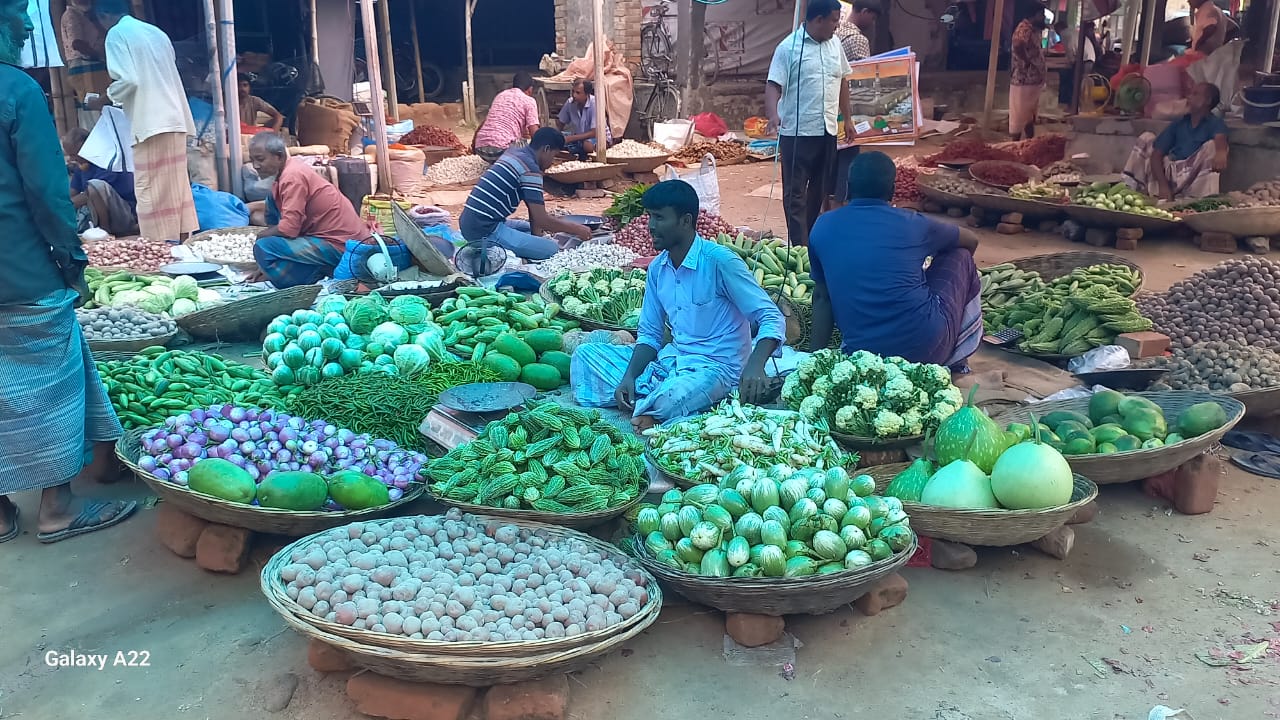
[(463, 411)]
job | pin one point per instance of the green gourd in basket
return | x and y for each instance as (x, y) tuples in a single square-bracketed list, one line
[(970, 426)]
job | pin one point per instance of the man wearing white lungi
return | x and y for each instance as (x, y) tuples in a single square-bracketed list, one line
[(141, 61)]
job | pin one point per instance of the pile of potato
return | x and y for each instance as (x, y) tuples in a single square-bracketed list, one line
[(1260, 194), (1229, 366), (123, 323), (1235, 300)]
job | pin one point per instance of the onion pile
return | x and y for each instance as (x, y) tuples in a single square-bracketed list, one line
[(906, 185), (264, 441), (136, 254), (456, 578)]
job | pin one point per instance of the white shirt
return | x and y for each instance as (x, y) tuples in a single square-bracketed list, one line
[(1070, 38), (140, 59), (41, 49), (809, 73)]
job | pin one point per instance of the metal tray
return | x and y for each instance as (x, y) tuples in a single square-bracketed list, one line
[(487, 397), (194, 269)]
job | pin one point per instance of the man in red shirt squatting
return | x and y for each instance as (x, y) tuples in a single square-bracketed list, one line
[(311, 221)]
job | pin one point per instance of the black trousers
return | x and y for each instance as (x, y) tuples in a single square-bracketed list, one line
[(808, 166)]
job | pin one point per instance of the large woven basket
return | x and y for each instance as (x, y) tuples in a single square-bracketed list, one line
[(250, 517), (987, 528), (811, 595), (1133, 465), (544, 291), (1260, 403), (273, 586), (640, 164), (132, 345), (576, 521), (857, 443), (1103, 218), (573, 177), (1055, 265), (1241, 222), (246, 318)]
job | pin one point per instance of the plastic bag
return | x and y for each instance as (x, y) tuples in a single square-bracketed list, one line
[(355, 261), (709, 124), (673, 134), (1107, 357), (705, 180), (1160, 712), (216, 210)]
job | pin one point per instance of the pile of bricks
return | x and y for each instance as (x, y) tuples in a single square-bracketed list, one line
[(214, 547)]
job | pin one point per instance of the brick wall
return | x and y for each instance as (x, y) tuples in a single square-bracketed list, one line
[(621, 26)]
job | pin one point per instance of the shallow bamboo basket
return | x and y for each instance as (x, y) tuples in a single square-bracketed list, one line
[(246, 318), (1055, 265), (131, 345), (576, 521), (1259, 403)]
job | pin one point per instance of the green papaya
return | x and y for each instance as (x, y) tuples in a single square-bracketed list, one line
[(1144, 424), (1070, 427), (1108, 433), (1104, 403), (1079, 445), (221, 479), (1106, 448), (1056, 418), (1021, 431), (293, 490), (1152, 444), (1201, 418), (1125, 443), (357, 491), (1111, 419), (1172, 438), (1132, 404)]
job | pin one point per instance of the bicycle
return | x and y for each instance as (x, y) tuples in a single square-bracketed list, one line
[(656, 47), (663, 103)]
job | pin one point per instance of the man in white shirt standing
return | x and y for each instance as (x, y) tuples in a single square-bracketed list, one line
[(141, 62), (804, 97)]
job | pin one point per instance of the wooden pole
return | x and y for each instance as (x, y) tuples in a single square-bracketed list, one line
[(1130, 30), (60, 120), (375, 96), (597, 46), (417, 50), (1077, 74), (1271, 37), (697, 42), (988, 103), (797, 17), (231, 93), (315, 37), (470, 93), (219, 103), (1148, 30), (388, 58)]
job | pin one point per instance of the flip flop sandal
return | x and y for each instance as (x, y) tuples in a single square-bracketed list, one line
[(14, 531), (87, 521), (1251, 441), (1263, 463)]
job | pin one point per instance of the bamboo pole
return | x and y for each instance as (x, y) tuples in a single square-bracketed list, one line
[(231, 93), (417, 49), (988, 103), (597, 42), (216, 93), (60, 120), (315, 38), (470, 92), (1271, 37), (1148, 30), (388, 58), (375, 96), (1130, 30), (1077, 74)]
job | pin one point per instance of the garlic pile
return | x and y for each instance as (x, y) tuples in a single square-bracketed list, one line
[(574, 166), (229, 247), (587, 257), (456, 170), (633, 149)]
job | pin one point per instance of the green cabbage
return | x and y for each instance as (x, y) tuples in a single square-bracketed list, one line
[(433, 341), (411, 359), (331, 303), (408, 310), (185, 287), (389, 334), (365, 313), (156, 300), (182, 306), (205, 295), (126, 297)]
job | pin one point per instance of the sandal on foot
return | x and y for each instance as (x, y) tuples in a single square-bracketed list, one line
[(14, 531), (87, 521), (1263, 463), (1251, 441)]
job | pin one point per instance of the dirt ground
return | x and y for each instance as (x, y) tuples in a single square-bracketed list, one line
[(1105, 635)]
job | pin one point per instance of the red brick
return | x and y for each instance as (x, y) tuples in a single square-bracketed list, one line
[(1195, 484), (1129, 233), (1218, 243), (1013, 218), (1085, 514), (546, 699), (1057, 543), (1005, 228), (1160, 486), (1123, 243), (177, 530), (1143, 344), (223, 548), (887, 593), (951, 556), (327, 658), (400, 700), (753, 630)]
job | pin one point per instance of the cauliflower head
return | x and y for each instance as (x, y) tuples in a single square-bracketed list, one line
[(912, 422), (843, 373), (950, 395), (900, 389), (812, 407), (848, 420), (866, 397), (823, 385), (888, 424), (794, 391), (807, 369)]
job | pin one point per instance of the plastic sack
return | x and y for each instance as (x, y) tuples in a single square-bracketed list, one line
[(1160, 712), (705, 180), (216, 210), (354, 262), (673, 134), (709, 124), (595, 372), (1107, 357)]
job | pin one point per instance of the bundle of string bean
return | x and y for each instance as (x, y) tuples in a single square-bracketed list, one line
[(385, 406)]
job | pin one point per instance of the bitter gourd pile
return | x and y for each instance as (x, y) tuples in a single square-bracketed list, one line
[(1058, 320), (550, 458)]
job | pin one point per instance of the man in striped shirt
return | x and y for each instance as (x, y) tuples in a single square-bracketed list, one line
[(516, 176)]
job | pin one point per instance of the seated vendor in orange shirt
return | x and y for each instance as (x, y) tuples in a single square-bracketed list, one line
[(310, 220)]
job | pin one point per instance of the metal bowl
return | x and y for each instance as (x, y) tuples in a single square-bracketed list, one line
[(194, 269), (593, 222)]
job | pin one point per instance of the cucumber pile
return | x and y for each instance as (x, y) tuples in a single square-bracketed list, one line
[(775, 265)]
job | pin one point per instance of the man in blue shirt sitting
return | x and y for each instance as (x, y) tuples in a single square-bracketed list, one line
[(867, 261), (1185, 159), (515, 177), (709, 299), (102, 198)]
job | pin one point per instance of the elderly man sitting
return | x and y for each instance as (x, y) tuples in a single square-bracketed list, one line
[(311, 221), (1185, 159)]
